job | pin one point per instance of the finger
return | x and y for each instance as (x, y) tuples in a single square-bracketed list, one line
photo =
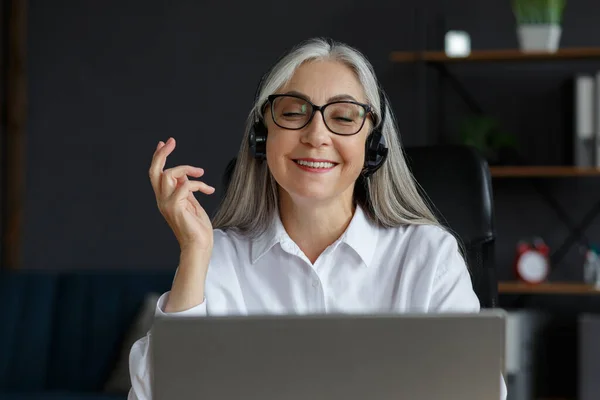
[(176, 176), (154, 178), (158, 161), (192, 186), (183, 170)]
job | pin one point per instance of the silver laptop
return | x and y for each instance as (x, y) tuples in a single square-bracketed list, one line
[(424, 356)]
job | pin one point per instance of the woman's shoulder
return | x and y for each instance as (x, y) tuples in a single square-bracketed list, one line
[(230, 238), (430, 248), (422, 236), (436, 270), (230, 250)]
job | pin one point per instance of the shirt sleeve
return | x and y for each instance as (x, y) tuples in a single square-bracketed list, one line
[(197, 311), (139, 356), (453, 289), (223, 297)]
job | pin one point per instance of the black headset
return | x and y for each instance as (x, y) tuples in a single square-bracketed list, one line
[(376, 150)]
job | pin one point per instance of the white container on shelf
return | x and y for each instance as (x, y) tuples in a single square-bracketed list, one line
[(539, 37)]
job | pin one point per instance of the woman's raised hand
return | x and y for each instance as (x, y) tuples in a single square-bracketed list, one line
[(177, 203)]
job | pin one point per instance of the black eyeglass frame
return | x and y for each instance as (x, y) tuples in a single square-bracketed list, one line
[(367, 107)]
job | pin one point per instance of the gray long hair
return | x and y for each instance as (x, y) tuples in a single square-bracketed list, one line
[(389, 197)]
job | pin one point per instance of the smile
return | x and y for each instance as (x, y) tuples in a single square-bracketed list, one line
[(315, 166)]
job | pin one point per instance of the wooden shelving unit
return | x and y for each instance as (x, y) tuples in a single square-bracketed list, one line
[(443, 65), (496, 55), (547, 288), (542, 171)]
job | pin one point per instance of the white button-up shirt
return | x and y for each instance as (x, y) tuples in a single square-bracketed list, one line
[(412, 268)]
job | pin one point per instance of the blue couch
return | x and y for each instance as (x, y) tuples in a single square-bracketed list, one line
[(62, 333)]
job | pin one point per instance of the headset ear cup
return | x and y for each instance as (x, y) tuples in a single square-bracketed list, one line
[(258, 141), (376, 152)]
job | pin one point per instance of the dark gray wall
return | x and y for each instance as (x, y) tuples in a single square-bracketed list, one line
[(110, 79)]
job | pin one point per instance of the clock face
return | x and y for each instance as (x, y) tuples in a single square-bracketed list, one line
[(533, 266)]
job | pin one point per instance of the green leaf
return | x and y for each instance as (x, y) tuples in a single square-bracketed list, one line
[(483, 133), (538, 11)]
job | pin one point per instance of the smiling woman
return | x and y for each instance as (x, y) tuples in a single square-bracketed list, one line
[(337, 82), (321, 215)]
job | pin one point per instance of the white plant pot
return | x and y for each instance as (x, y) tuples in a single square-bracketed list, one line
[(539, 37)]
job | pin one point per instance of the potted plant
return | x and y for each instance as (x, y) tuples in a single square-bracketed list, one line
[(483, 133), (539, 24)]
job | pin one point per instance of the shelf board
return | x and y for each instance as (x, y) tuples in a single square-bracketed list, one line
[(542, 171), (575, 53), (547, 288)]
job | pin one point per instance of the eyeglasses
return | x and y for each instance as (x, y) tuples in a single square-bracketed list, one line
[(343, 117)]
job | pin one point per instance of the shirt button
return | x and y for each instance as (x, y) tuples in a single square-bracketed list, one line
[(315, 284)]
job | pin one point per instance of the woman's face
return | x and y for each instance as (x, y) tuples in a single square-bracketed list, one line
[(313, 163)]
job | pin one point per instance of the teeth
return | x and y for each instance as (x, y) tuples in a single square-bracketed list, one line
[(311, 164)]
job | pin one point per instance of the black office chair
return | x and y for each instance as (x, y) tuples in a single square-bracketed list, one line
[(456, 183)]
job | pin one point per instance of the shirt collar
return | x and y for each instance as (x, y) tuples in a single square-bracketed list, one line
[(361, 236), (275, 233)]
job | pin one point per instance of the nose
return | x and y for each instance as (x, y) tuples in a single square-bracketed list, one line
[(316, 133)]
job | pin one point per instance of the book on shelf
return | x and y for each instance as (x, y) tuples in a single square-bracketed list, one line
[(586, 129), (596, 136)]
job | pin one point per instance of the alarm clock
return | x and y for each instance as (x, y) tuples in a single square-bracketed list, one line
[(532, 263)]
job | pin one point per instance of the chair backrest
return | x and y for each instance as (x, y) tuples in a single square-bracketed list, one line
[(456, 183)]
